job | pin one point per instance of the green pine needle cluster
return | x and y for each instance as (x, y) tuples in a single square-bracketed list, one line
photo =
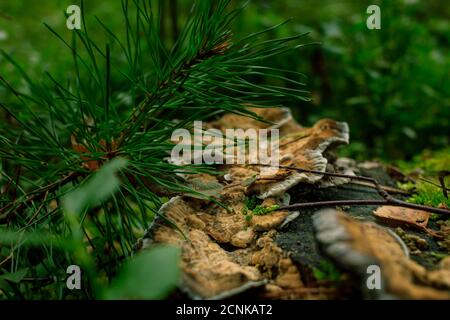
[(121, 99)]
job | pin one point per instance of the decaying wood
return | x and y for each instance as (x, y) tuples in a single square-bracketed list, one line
[(226, 250), (356, 245)]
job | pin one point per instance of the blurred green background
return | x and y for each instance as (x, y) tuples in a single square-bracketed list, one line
[(390, 85)]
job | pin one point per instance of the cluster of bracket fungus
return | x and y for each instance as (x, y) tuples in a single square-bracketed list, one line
[(239, 242), (224, 250)]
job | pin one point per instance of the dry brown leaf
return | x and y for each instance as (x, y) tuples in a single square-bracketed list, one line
[(411, 217), (88, 162), (405, 217)]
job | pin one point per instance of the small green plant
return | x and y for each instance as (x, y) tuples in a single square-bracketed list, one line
[(427, 189), (327, 271), (438, 255), (434, 217), (430, 162), (430, 195), (251, 202), (252, 208), (259, 210)]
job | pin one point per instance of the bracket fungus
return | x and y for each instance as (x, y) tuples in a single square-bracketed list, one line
[(229, 248), (299, 147), (222, 253)]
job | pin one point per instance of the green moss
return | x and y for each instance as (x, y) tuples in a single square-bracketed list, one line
[(327, 271), (429, 161), (430, 195), (408, 186), (260, 210), (434, 217), (251, 202), (438, 255), (251, 208)]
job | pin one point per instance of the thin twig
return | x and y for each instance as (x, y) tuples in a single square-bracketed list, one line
[(38, 210), (388, 199), (444, 188), (390, 202), (434, 184), (6, 259), (37, 194), (385, 188), (377, 186)]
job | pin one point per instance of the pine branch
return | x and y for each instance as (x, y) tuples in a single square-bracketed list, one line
[(179, 75), (75, 124)]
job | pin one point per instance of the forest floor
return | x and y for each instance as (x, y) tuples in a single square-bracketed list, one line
[(263, 238)]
